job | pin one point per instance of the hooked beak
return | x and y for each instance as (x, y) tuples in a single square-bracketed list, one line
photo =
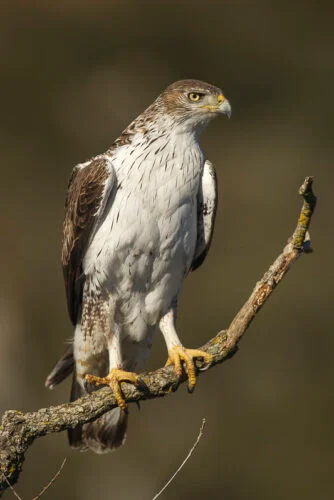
[(224, 106)]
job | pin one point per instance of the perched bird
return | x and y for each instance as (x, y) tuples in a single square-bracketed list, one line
[(138, 219)]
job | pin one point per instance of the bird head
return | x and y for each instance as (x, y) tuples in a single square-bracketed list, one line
[(194, 103)]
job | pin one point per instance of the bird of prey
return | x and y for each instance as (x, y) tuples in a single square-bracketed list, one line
[(138, 219)]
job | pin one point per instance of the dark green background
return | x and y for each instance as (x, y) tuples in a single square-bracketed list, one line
[(73, 74)]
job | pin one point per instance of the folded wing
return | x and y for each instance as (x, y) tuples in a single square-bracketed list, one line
[(207, 200), (90, 187)]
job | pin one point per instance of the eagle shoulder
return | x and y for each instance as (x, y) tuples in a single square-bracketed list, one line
[(207, 200), (89, 189)]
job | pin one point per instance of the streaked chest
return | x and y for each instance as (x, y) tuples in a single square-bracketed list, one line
[(151, 222), (159, 171)]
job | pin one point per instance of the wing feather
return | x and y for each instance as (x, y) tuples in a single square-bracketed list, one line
[(207, 201), (89, 189)]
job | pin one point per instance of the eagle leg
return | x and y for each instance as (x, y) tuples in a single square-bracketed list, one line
[(114, 379), (178, 353)]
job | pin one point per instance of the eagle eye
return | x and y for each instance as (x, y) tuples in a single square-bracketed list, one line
[(195, 96)]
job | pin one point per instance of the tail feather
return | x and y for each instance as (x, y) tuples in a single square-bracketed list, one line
[(75, 434), (104, 434), (107, 432), (61, 370)]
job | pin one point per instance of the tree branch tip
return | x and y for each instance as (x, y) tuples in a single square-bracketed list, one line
[(306, 191), (306, 186)]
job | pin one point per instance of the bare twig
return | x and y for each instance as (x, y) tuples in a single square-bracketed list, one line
[(15, 493), (184, 461), (45, 487), (18, 430), (53, 479)]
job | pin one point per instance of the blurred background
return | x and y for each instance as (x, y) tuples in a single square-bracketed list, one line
[(73, 75)]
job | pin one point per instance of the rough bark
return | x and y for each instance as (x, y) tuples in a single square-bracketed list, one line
[(18, 430)]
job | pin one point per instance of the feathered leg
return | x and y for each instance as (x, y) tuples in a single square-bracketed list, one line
[(176, 352), (107, 432), (116, 374)]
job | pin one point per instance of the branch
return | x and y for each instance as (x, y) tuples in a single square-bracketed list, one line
[(53, 479), (18, 430), (194, 446)]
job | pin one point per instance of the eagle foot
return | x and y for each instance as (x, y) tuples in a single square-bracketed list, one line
[(114, 379), (178, 354)]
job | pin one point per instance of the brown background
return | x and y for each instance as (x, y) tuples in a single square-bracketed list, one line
[(73, 74)]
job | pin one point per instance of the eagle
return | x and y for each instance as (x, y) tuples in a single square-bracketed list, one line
[(138, 219)]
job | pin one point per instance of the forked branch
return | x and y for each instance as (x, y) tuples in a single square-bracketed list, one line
[(18, 430)]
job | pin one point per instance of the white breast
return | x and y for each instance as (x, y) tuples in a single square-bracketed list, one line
[(145, 245)]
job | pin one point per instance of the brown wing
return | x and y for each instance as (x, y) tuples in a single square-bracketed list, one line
[(89, 189), (207, 201)]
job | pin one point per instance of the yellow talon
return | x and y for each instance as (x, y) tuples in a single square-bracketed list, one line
[(178, 354), (114, 379)]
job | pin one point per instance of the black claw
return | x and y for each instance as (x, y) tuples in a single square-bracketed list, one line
[(176, 385), (191, 389), (142, 386), (88, 386), (126, 410)]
